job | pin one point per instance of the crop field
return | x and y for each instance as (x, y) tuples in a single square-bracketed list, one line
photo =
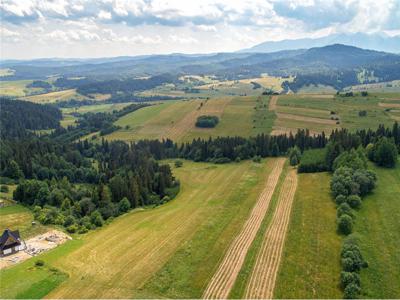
[(243, 116), (14, 88), (133, 253), (55, 96), (307, 111), (378, 230)]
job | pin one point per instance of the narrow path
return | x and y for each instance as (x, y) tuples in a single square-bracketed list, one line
[(224, 278), (273, 103), (262, 281)]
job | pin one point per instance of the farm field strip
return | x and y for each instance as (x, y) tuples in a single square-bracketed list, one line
[(225, 276), (262, 281), (305, 119), (273, 103), (180, 128), (394, 105), (307, 112)]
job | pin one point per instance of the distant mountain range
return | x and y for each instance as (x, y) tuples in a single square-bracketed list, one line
[(336, 65), (379, 42)]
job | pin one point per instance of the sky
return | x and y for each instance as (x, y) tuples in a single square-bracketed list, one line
[(106, 28)]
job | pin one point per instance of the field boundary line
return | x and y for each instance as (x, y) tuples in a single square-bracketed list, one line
[(262, 281), (224, 278)]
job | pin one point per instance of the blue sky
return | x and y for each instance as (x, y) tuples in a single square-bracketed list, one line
[(99, 28)]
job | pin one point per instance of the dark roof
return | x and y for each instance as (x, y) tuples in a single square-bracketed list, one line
[(14, 235)]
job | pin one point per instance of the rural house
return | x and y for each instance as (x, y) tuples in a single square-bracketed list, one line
[(10, 242)]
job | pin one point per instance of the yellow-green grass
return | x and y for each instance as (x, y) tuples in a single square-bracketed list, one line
[(27, 281), (8, 195), (68, 120), (310, 265), (6, 72), (117, 260), (19, 217), (55, 96), (101, 107), (188, 271), (152, 121), (317, 89), (241, 282), (306, 112), (378, 228), (347, 108), (15, 88)]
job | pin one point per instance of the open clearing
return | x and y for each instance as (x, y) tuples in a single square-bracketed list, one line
[(226, 274), (262, 280), (378, 230), (310, 264), (121, 258), (55, 96)]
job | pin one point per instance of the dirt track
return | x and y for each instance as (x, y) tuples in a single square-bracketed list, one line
[(305, 119), (273, 103), (392, 105), (224, 278), (262, 281)]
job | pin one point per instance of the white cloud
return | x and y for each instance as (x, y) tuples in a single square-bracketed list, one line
[(105, 15), (72, 36), (183, 40), (206, 28)]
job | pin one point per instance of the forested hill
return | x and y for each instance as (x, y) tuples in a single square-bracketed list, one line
[(17, 116)]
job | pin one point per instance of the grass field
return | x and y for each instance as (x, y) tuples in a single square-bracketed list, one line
[(243, 116), (55, 96), (130, 257), (19, 217), (346, 108), (310, 265), (378, 228), (14, 88)]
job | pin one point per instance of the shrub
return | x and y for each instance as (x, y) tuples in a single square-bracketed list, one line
[(124, 205), (340, 199), (347, 278), (343, 209), (385, 153), (257, 159), (294, 156), (178, 163), (362, 113), (345, 224), (351, 291), (354, 201), (207, 121), (72, 228), (96, 218), (39, 263), (4, 189), (313, 161)]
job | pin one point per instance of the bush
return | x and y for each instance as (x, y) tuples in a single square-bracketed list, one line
[(257, 159), (96, 218), (294, 156), (340, 199), (4, 189), (207, 121), (73, 228), (385, 153), (178, 163), (313, 161), (345, 224), (351, 291), (344, 209), (124, 205), (362, 113), (354, 201), (39, 263), (347, 278)]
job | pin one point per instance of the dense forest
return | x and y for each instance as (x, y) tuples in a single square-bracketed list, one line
[(80, 184)]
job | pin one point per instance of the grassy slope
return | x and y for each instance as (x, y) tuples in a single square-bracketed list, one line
[(118, 259), (19, 217), (238, 289), (378, 227), (188, 272), (346, 107), (310, 265)]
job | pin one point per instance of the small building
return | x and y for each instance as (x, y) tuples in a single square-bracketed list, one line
[(10, 242)]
